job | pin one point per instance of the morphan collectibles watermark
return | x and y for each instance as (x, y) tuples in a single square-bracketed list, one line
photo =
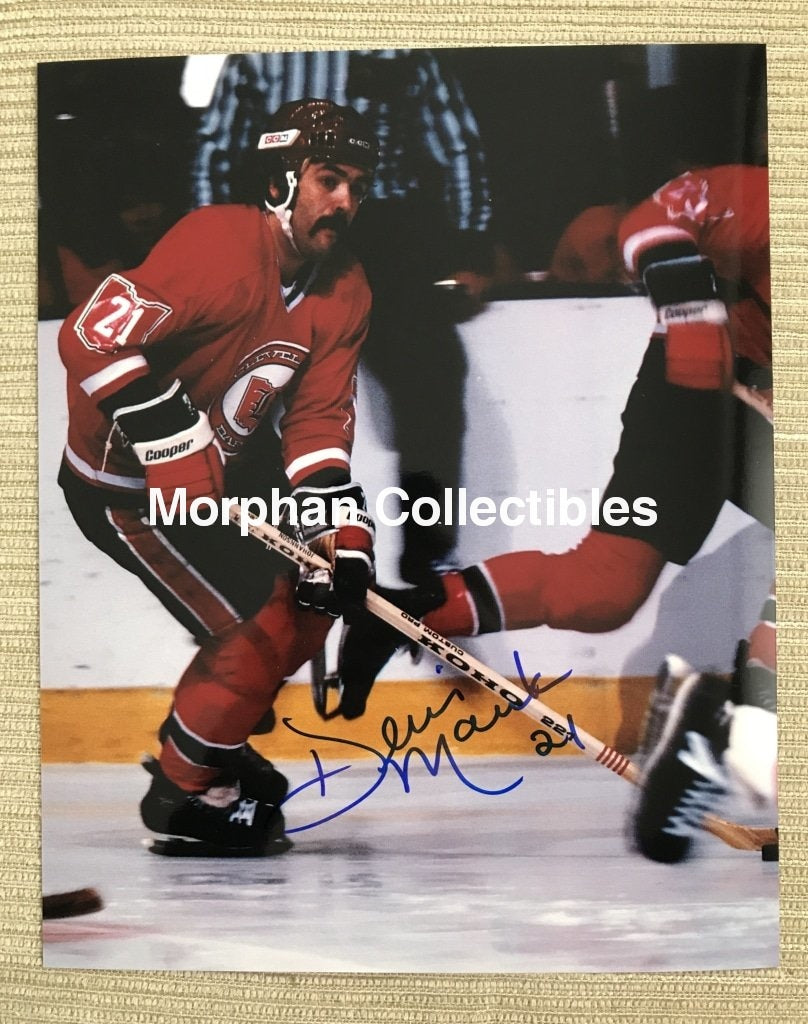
[(560, 509)]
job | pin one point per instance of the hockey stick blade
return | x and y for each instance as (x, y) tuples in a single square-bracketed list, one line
[(740, 837)]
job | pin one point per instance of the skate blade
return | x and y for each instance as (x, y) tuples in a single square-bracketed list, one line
[(175, 846)]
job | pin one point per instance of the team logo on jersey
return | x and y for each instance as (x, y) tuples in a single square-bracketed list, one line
[(116, 316), (258, 379), (257, 396), (689, 197)]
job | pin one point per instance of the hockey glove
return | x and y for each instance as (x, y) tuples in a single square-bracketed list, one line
[(174, 442), (698, 350), (343, 533)]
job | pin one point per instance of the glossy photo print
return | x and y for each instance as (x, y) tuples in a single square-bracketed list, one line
[(406, 511)]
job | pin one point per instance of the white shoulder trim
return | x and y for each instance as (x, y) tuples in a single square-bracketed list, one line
[(648, 237)]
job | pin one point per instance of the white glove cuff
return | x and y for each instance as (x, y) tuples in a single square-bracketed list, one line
[(186, 442), (711, 311)]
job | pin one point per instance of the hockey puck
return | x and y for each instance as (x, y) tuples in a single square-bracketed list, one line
[(770, 851), (71, 904)]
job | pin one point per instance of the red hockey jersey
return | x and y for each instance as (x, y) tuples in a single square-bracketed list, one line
[(208, 307), (725, 212)]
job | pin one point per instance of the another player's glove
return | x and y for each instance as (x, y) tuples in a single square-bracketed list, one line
[(698, 350), (174, 442), (343, 534)]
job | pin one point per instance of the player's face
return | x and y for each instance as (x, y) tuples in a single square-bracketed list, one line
[(328, 199)]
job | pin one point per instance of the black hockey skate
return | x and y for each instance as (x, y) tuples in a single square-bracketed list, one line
[(672, 673), (257, 777), (683, 779), (367, 644), (217, 823)]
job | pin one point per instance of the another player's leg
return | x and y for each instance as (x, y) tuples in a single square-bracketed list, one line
[(719, 736), (593, 588), (752, 753), (674, 448), (683, 777)]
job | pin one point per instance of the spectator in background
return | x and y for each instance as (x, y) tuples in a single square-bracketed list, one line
[(587, 252), (64, 279), (72, 265), (427, 219)]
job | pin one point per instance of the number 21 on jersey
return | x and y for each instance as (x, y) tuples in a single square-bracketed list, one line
[(116, 315)]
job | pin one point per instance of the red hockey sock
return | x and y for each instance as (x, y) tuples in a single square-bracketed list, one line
[(232, 682), (594, 588), (456, 616)]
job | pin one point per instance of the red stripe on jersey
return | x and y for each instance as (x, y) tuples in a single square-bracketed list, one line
[(173, 572), (297, 478)]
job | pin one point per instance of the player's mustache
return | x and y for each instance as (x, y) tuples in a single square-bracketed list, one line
[(337, 222)]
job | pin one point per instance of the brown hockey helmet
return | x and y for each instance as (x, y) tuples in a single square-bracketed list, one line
[(322, 131)]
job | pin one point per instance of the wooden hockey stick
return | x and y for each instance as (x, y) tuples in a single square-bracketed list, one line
[(741, 837)]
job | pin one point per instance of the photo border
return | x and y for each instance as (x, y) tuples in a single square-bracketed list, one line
[(69, 30)]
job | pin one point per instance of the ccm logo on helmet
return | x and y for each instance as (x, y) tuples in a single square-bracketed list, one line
[(278, 140), (168, 453), (360, 142)]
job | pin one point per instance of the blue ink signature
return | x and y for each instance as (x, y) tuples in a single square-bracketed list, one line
[(398, 740), (546, 743), (532, 687)]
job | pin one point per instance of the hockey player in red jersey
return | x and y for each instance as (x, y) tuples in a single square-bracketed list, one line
[(177, 373), (707, 736), (689, 440)]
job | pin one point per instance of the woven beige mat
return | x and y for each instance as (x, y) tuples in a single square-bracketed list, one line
[(50, 30)]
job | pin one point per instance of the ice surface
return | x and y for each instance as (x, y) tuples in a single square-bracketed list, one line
[(441, 878)]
